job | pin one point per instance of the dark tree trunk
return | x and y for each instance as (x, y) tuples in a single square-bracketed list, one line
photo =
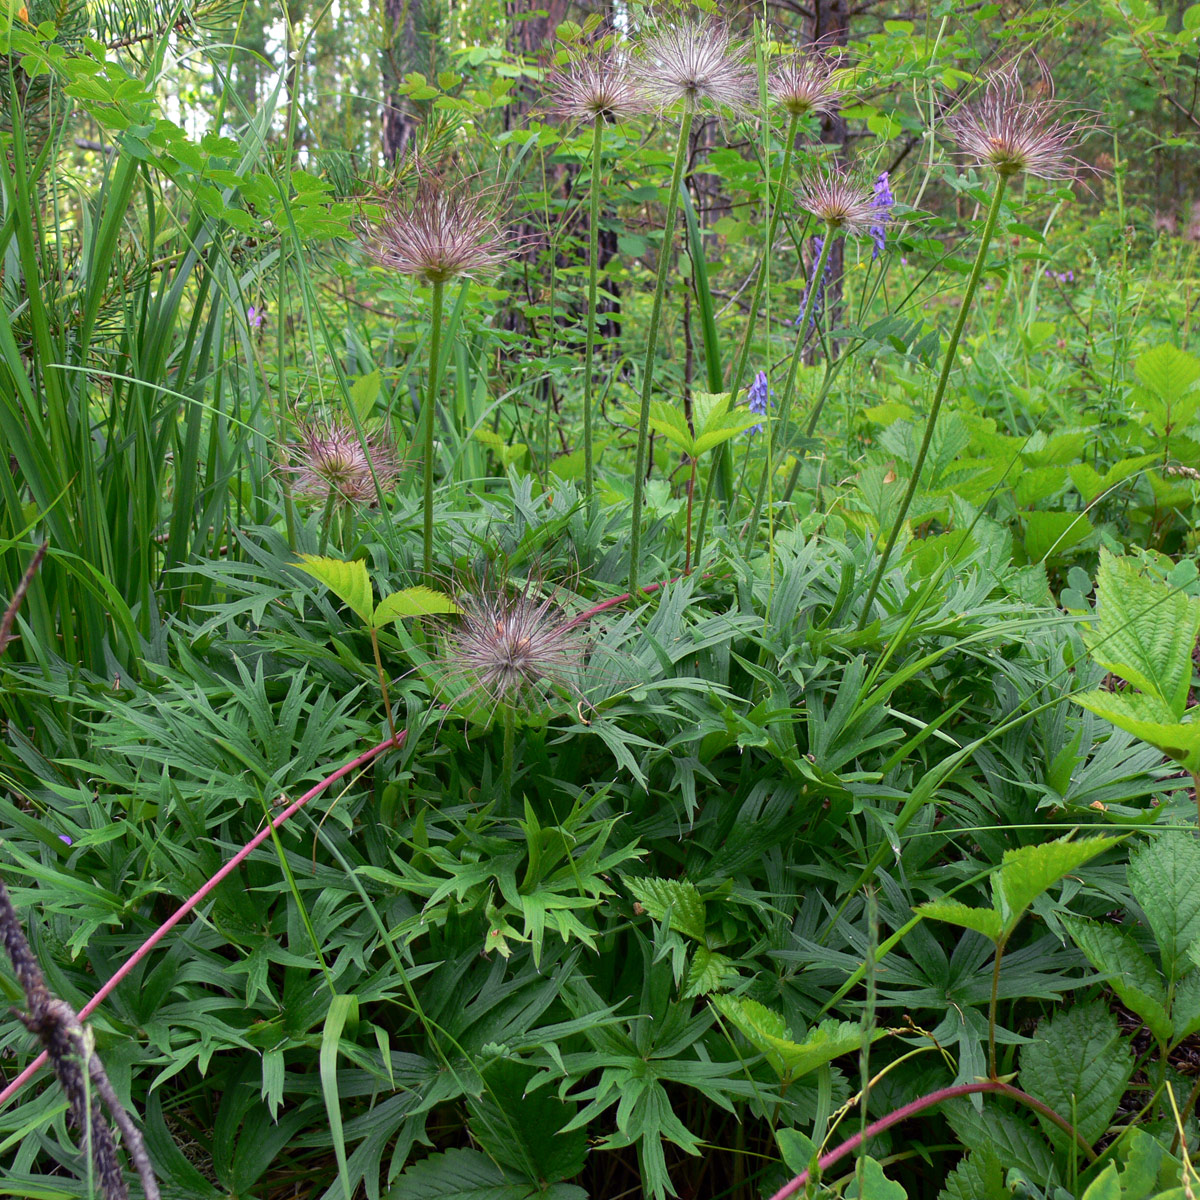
[(399, 56)]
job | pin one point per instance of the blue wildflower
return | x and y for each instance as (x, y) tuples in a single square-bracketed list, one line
[(818, 243), (759, 398), (254, 316), (883, 213)]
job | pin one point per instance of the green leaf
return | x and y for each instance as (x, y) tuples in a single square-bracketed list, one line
[(364, 391), (471, 1175), (342, 1009), (417, 601), (1147, 717), (1185, 1007), (1027, 872), (522, 1130), (1164, 875), (348, 581), (875, 1184), (1105, 1186), (1135, 979), (678, 897), (668, 421), (766, 1031), (1079, 1064), (1050, 533), (978, 1177), (1167, 371), (796, 1149), (1146, 631), (709, 972), (983, 920)]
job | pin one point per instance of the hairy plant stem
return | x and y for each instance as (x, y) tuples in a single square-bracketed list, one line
[(383, 687), (928, 1101), (589, 476), (506, 766), (660, 287), (785, 407), (992, 1007), (947, 365), (435, 353)]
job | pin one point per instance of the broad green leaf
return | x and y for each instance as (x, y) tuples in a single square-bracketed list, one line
[(1143, 1158), (1167, 371), (1135, 979), (983, 920), (1049, 533), (1185, 1007), (1146, 717), (670, 422), (708, 972), (471, 1175), (796, 1149), (364, 391), (727, 427), (767, 1032), (978, 1177), (1164, 875), (342, 1009), (708, 407), (1015, 1141), (875, 1184), (417, 601), (1027, 872), (679, 897), (348, 581), (1105, 1186), (1090, 484), (522, 1131), (1146, 631), (1079, 1064)]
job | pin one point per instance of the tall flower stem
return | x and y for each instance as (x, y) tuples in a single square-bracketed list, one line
[(589, 477), (947, 365), (510, 743), (664, 259), (435, 354), (739, 371), (785, 407)]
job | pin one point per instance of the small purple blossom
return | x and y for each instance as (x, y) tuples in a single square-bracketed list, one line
[(818, 243), (1060, 276), (758, 398), (884, 200), (254, 317), (62, 837)]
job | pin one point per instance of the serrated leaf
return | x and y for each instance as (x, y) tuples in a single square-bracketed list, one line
[(983, 920), (1130, 973), (978, 1177), (875, 1184), (1014, 1140), (1146, 631), (417, 601), (1185, 1007), (1164, 875), (1146, 717), (1025, 873), (1048, 532), (471, 1175), (708, 972), (678, 897), (669, 422), (765, 1029), (1167, 371), (1079, 1064), (348, 581)]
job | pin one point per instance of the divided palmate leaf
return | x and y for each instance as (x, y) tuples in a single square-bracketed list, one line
[(1027, 872), (348, 581), (471, 1175), (1146, 631)]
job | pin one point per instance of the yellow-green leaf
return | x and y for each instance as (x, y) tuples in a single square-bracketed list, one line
[(413, 602), (348, 581)]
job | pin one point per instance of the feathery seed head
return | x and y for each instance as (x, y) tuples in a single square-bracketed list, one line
[(1012, 131), (597, 85), (696, 64), (441, 232), (331, 460), (505, 647), (803, 83), (843, 201)]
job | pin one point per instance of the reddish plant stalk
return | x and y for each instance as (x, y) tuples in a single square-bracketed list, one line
[(919, 1105), (186, 907)]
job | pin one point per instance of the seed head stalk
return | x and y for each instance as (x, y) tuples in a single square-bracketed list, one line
[(635, 541), (947, 365), (589, 478), (435, 354)]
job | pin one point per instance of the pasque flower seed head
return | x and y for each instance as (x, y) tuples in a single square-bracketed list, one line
[(803, 83), (441, 232), (597, 85), (842, 200), (1013, 130), (331, 459), (696, 64)]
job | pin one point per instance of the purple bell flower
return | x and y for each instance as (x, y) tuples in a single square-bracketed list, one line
[(884, 200), (758, 398)]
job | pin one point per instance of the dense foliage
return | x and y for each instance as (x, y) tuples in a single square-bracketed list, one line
[(649, 622)]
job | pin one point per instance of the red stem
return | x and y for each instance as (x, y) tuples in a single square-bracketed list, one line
[(182, 911), (919, 1105)]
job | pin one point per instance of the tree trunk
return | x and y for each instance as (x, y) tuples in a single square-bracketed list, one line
[(399, 57)]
